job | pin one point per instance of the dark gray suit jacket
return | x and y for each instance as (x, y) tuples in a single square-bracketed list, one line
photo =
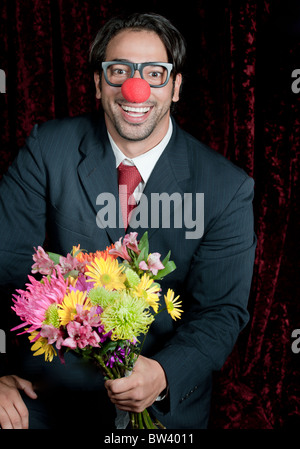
[(54, 187)]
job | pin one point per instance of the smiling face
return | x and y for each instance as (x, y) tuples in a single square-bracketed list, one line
[(137, 127)]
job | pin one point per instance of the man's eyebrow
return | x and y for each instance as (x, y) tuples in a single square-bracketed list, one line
[(121, 60), (127, 60)]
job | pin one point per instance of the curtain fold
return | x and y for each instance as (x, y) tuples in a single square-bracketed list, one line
[(236, 98)]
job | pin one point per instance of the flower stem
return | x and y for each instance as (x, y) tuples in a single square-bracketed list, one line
[(148, 421), (116, 373), (158, 424), (105, 368), (132, 420), (140, 421)]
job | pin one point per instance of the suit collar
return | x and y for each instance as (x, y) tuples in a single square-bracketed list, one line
[(172, 167), (98, 174), (169, 175)]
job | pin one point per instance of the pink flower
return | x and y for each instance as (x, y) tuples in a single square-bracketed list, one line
[(130, 242), (70, 263), (80, 336), (153, 263), (120, 250), (31, 304), (52, 334), (80, 330), (43, 264), (87, 317)]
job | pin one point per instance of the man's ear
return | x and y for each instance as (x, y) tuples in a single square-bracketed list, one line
[(177, 84), (97, 85)]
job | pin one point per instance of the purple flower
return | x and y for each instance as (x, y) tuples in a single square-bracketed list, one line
[(118, 356), (103, 337), (111, 362), (82, 285)]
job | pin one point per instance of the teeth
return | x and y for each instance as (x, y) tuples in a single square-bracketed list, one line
[(137, 110)]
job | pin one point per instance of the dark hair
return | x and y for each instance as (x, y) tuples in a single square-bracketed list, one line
[(170, 36)]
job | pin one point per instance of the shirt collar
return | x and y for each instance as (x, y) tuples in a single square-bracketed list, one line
[(146, 161)]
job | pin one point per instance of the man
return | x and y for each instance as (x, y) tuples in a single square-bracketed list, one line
[(56, 184)]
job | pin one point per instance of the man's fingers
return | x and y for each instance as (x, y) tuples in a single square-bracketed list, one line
[(139, 390), (119, 386), (14, 415), (23, 414), (131, 399), (26, 386), (5, 419), (13, 411)]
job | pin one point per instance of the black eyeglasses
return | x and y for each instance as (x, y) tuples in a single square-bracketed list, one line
[(157, 74)]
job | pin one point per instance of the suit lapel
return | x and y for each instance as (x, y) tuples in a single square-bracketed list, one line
[(169, 176), (98, 175)]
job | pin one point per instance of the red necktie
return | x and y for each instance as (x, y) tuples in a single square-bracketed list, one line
[(129, 179)]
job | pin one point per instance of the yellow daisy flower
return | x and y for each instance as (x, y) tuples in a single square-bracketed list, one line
[(106, 273), (147, 291), (173, 307), (41, 346), (67, 310)]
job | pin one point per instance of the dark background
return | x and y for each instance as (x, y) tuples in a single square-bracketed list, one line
[(236, 98)]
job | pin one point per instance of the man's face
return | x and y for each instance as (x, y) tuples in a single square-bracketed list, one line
[(152, 121)]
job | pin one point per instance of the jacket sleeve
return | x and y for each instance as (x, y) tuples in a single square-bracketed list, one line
[(218, 285), (22, 213)]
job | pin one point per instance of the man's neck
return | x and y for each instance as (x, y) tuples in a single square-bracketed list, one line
[(132, 149)]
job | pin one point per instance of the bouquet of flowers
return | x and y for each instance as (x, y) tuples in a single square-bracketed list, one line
[(97, 306)]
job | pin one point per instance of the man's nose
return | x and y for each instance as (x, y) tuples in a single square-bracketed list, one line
[(136, 90), (136, 74)]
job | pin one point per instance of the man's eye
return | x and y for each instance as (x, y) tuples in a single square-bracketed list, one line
[(155, 74), (119, 72)]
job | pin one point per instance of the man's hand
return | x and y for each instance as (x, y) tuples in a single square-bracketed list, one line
[(140, 389), (13, 412)]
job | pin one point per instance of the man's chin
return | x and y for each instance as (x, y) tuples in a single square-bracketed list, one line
[(134, 132)]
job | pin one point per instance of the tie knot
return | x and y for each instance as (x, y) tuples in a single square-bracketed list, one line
[(129, 176)]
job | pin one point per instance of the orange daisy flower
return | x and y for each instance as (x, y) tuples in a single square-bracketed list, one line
[(90, 257)]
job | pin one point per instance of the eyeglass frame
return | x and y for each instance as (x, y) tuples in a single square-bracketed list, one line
[(137, 66)]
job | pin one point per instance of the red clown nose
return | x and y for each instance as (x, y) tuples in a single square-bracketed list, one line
[(136, 90)]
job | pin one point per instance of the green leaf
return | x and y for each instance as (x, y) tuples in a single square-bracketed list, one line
[(166, 259), (169, 267), (109, 346), (79, 251), (144, 244), (73, 273), (54, 257), (141, 257)]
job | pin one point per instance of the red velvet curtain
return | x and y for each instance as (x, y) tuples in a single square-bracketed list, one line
[(237, 98)]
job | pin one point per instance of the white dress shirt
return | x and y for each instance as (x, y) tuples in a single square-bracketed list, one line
[(145, 163)]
